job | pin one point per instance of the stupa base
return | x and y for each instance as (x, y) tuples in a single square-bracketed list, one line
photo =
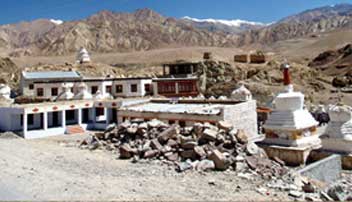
[(292, 156)]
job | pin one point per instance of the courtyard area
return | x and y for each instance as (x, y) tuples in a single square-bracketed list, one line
[(56, 169)]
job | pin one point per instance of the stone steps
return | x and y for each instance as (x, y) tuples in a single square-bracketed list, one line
[(75, 129)]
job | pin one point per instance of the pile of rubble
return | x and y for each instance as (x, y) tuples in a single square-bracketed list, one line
[(200, 147)]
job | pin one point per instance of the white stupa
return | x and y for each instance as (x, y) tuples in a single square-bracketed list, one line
[(101, 96), (290, 131), (338, 135), (66, 92), (241, 94), (5, 92), (83, 93), (83, 56), (290, 124)]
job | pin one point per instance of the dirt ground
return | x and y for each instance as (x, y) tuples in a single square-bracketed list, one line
[(55, 169)]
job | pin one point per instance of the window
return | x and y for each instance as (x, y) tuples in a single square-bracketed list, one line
[(40, 92), (31, 86), (30, 119), (147, 88), (133, 88), (94, 89), (171, 122), (99, 111), (54, 91), (119, 89), (70, 115), (166, 87), (108, 89), (185, 86)]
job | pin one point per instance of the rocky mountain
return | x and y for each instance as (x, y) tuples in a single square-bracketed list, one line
[(107, 32), (227, 26), (310, 22), (145, 29)]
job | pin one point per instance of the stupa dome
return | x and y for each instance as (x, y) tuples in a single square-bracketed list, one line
[(83, 93), (5, 91), (241, 94), (83, 56)]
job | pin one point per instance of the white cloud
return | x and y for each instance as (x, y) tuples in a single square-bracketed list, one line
[(233, 23), (58, 22)]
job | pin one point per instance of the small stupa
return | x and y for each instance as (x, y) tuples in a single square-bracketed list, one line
[(338, 135), (83, 56), (5, 92), (241, 94), (83, 93), (290, 130), (101, 96), (66, 92)]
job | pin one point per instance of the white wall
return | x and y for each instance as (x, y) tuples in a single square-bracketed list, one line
[(127, 87), (243, 116)]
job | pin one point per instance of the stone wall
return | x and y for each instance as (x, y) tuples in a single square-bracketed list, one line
[(326, 170)]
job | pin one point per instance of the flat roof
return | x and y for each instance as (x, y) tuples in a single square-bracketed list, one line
[(97, 79), (201, 109), (52, 75)]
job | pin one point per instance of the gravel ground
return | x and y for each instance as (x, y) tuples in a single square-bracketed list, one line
[(55, 169)]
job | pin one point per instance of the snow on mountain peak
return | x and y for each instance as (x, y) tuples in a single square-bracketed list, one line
[(57, 22), (232, 23)]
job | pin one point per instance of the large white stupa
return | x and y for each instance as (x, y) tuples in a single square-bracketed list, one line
[(83, 56), (291, 126), (83, 93)]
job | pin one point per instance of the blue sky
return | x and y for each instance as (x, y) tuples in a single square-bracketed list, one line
[(254, 10)]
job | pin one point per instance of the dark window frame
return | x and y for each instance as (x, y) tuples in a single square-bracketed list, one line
[(134, 88), (94, 89), (40, 92), (54, 91), (118, 88), (108, 89)]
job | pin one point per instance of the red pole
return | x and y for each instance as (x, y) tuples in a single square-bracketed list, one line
[(287, 78)]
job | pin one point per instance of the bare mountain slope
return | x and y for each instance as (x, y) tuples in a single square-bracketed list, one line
[(110, 32), (313, 21)]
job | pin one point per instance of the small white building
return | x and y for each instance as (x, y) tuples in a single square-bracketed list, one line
[(49, 85)]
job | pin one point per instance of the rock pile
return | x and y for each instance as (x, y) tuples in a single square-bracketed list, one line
[(200, 147)]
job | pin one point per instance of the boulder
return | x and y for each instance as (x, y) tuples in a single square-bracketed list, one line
[(171, 156), (155, 144), (187, 154), (219, 160), (169, 133), (172, 143), (125, 151), (209, 134), (200, 152), (189, 145), (198, 129), (151, 154), (205, 165), (242, 137), (224, 125)]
